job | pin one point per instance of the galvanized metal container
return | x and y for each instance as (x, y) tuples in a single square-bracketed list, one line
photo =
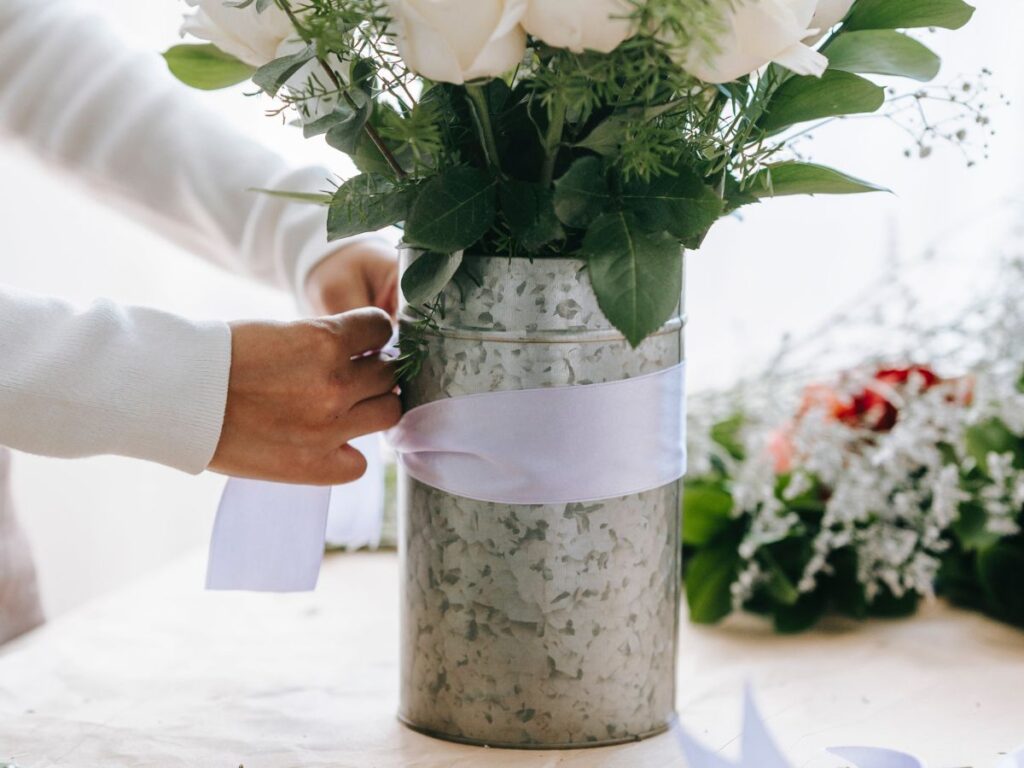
[(544, 626)]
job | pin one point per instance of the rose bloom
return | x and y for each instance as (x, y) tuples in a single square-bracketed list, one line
[(455, 41), (758, 32), (873, 408), (255, 38), (580, 25)]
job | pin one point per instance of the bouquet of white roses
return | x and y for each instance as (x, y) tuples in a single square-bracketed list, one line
[(615, 131)]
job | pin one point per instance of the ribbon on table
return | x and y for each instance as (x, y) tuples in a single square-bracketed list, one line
[(535, 446), (759, 750)]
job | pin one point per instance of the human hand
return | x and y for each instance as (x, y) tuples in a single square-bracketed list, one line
[(359, 275), (299, 392)]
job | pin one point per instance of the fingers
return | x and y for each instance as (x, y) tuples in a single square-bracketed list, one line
[(345, 465), (367, 378), (371, 416), (362, 331)]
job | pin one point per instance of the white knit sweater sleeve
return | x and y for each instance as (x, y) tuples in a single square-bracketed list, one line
[(129, 381)]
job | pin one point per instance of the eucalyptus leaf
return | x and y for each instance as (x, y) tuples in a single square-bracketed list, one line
[(452, 211), (347, 132), (802, 99), (271, 77), (206, 66), (637, 275), (344, 124), (794, 178), (582, 194), (883, 52), (366, 203), (428, 275), (908, 14), (530, 211), (678, 202)]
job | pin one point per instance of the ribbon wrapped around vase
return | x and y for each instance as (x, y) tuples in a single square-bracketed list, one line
[(534, 446)]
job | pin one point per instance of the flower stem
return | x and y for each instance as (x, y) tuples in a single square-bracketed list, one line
[(370, 131), (553, 142), (482, 112)]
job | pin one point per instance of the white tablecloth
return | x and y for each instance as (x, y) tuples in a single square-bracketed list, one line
[(165, 675)]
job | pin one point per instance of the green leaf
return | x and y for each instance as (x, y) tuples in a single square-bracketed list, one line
[(679, 203), (581, 195), (428, 275), (971, 528), (779, 586), (530, 212), (607, 138), (801, 615), (709, 577), (728, 434), (794, 178), (991, 436), (452, 211), (847, 592), (347, 132), (908, 14), (206, 66), (707, 512), (999, 571), (802, 99), (887, 606), (734, 197), (366, 203), (637, 275), (883, 52), (314, 198), (343, 126), (272, 76)]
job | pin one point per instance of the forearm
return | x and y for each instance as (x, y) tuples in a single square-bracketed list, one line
[(111, 380)]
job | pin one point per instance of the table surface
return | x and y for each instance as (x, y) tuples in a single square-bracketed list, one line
[(164, 674)]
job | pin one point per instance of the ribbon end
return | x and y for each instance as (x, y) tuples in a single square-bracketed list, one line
[(268, 537)]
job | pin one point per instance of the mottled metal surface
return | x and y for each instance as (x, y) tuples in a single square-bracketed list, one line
[(546, 625)]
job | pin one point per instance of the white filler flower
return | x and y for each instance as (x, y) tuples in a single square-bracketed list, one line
[(255, 38), (581, 25), (759, 32), (455, 41)]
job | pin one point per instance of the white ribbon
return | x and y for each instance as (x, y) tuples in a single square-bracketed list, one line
[(759, 750), (537, 446), (550, 446)]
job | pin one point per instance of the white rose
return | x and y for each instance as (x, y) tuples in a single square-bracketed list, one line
[(579, 25), (453, 41), (828, 14), (759, 32), (255, 38)]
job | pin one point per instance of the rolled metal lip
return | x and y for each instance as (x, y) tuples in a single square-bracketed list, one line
[(581, 336)]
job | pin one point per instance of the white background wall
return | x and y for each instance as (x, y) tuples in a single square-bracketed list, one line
[(781, 270)]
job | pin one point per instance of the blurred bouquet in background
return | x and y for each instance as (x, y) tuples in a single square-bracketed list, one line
[(866, 491)]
